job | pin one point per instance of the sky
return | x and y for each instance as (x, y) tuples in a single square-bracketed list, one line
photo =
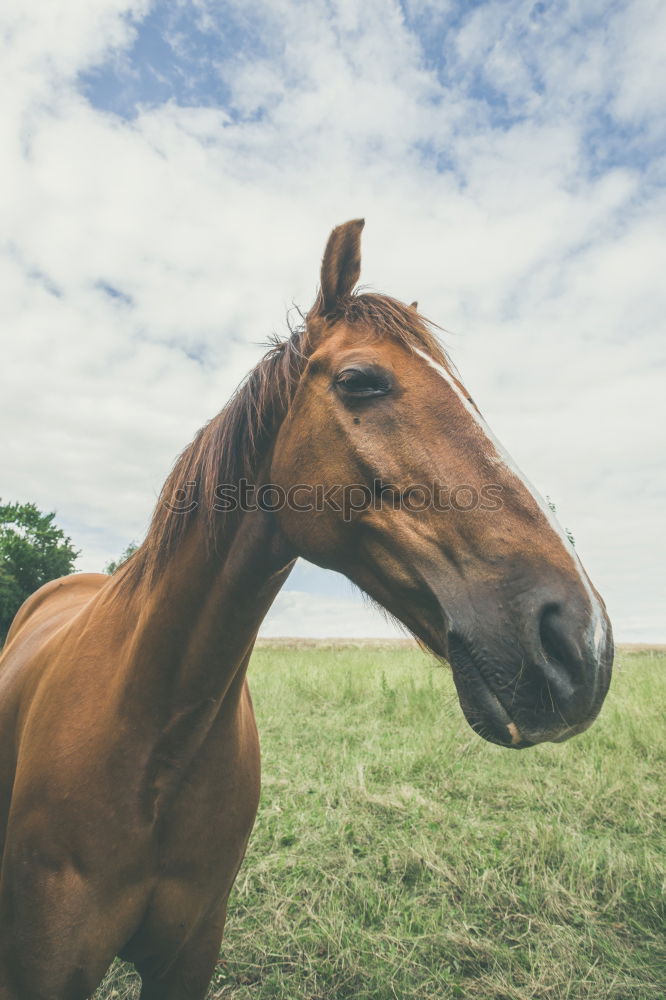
[(171, 172)]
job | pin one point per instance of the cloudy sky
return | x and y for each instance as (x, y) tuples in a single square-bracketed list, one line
[(170, 172)]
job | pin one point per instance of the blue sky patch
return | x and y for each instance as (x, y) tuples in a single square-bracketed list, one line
[(178, 56)]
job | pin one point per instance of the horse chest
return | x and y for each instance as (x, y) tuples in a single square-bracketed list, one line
[(205, 793)]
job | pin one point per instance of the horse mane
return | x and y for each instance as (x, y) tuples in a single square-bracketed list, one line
[(232, 445)]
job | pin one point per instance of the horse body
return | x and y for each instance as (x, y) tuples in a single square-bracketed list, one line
[(129, 759), (124, 836)]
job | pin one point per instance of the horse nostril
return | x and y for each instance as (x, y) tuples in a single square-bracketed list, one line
[(553, 642), (559, 644)]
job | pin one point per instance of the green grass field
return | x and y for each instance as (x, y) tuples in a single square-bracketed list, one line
[(397, 855)]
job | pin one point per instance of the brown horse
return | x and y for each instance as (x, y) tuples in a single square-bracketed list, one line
[(129, 760)]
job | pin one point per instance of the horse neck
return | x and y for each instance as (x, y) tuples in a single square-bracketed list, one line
[(196, 625)]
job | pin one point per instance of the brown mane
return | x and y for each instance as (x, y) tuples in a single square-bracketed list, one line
[(233, 444)]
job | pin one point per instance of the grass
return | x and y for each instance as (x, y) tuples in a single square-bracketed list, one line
[(396, 855)]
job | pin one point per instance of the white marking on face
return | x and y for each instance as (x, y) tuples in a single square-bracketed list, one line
[(499, 456), (599, 633)]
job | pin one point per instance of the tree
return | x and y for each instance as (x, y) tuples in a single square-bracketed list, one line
[(117, 563), (33, 550)]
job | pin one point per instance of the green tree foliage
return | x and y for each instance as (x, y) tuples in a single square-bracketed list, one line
[(33, 550), (117, 563)]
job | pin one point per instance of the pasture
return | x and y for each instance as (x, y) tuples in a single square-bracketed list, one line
[(397, 855)]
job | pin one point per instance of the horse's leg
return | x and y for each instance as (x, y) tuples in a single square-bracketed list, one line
[(56, 962), (60, 928), (188, 974)]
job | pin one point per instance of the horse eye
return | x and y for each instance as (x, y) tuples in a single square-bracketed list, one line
[(362, 382)]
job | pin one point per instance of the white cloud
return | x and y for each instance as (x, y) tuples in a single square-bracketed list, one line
[(535, 244), (638, 39), (297, 613)]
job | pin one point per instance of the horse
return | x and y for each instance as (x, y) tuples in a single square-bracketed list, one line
[(129, 757)]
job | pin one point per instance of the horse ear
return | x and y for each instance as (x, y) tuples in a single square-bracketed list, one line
[(341, 265), (414, 305)]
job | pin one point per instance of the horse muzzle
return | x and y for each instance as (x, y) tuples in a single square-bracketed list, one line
[(547, 685)]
